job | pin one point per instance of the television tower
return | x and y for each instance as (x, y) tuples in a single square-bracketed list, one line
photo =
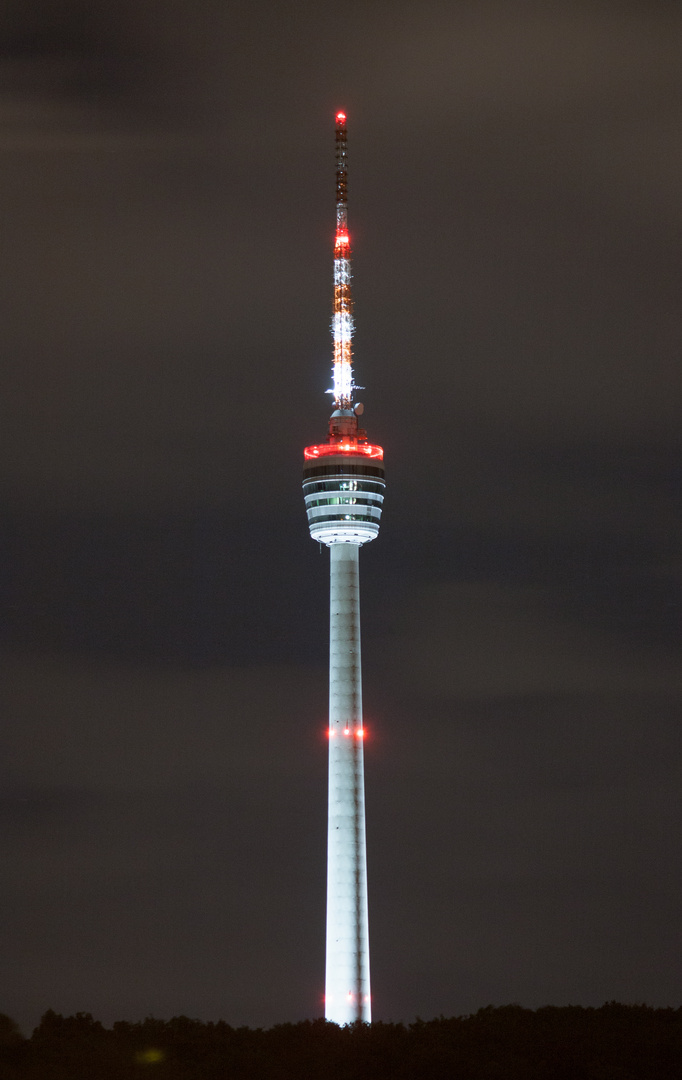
[(343, 484)]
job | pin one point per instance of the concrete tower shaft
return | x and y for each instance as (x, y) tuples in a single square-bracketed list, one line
[(347, 988)]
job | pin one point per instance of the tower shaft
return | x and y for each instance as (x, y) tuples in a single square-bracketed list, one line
[(347, 989)]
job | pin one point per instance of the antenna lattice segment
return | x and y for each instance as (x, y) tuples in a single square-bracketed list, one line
[(342, 320)]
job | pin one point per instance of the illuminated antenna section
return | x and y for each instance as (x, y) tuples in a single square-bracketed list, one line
[(342, 321)]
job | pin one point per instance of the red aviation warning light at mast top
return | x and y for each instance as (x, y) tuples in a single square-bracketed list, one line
[(342, 322)]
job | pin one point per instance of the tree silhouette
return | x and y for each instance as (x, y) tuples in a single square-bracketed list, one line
[(614, 1042)]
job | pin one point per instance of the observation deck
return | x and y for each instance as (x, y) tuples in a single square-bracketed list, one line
[(343, 484)]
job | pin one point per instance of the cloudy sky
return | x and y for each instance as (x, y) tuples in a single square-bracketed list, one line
[(166, 196)]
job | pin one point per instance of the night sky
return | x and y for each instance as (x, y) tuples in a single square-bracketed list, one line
[(167, 211)]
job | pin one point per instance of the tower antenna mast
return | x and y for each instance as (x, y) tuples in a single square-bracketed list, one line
[(343, 485), (342, 320)]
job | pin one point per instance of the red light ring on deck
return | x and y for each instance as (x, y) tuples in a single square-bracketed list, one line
[(346, 447)]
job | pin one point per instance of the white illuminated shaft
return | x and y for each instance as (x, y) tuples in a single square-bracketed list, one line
[(347, 992)]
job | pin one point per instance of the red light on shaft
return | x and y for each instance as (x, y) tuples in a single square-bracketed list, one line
[(340, 117)]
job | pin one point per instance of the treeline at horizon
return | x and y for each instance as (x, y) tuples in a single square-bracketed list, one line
[(613, 1042)]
